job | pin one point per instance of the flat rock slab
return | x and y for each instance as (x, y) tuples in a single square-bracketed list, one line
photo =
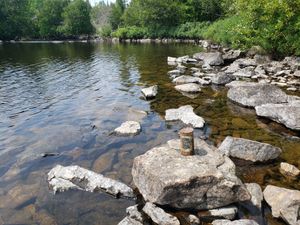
[(184, 79), (128, 128), (159, 216), (150, 92), (287, 114), (285, 203), (186, 115), (205, 181), (189, 88), (256, 95), (228, 212), (235, 222), (62, 178), (249, 150)]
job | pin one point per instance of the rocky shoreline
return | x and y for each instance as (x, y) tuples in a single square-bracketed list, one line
[(205, 185)]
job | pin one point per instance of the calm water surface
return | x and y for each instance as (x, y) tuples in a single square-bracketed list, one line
[(68, 98)]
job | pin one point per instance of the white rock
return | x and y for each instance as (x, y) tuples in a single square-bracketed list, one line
[(289, 170), (159, 216), (129, 128), (186, 115), (150, 92), (256, 194), (62, 178), (235, 222), (190, 88), (285, 203)]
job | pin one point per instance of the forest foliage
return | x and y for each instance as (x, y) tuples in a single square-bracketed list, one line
[(273, 25)]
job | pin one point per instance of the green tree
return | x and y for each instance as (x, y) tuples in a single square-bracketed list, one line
[(117, 11), (76, 19), (15, 19), (50, 17)]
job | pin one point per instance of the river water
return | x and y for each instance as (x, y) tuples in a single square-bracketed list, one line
[(68, 98)]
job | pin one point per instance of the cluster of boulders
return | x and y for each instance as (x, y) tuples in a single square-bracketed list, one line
[(253, 81)]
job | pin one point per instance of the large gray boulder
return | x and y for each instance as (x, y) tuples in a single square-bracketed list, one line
[(232, 55), (210, 58), (255, 95), (287, 114), (203, 181), (222, 78), (248, 150), (285, 203), (235, 222), (189, 88), (159, 216), (186, 115), (62, 178)]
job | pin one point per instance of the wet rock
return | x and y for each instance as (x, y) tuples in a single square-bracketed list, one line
[(62, 178), (190, 79), (186, 115), (210, 58), (232, 55), (134, 217), (228, 212), (128, 128), (150, 92), (289, 170), (203, 181), (285, 203), (159, 216), (248, 150), (136, 114), (287, 114), (198, 74), (172, 59), (235, 222), (222, 78), (237, 83), (256, 194), (181, 68), (190, 88), (255, 95)]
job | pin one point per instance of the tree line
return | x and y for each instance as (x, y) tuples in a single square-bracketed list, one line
[(46, 19), (272, 24)]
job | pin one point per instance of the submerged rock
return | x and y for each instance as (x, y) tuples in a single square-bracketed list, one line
[(287, 114), (203, 181), (248, 150), (235, 222), (190, 79), (289, 170), (256, 194), (228, 212), (222, 78), (186, 115), (285, 203), (210, 58), (62, 178), (159, 216), (251, 95), (189, 88), (128, 128), (150, 92)]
